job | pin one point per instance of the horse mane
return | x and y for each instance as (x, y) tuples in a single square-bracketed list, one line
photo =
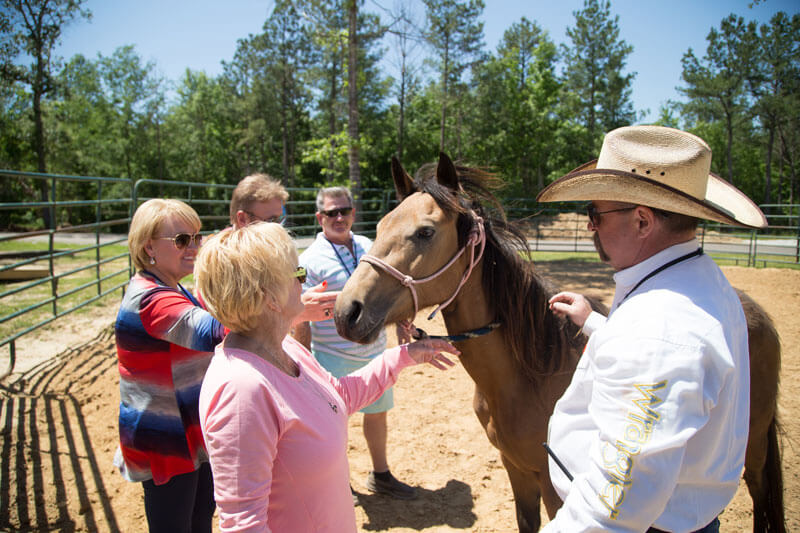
[(540, 341)]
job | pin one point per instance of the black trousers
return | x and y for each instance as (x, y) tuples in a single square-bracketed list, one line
[(184, 504), (713, 527)]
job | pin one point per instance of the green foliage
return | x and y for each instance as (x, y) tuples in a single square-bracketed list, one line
[(743, 95), (514, 127), (456, 35), (596, 90), (283, 105)]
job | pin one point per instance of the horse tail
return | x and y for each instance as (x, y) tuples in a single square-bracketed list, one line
[(768, 512)]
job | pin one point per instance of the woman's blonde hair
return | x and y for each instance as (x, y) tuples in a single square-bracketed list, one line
[(147, 221), (237, 268)]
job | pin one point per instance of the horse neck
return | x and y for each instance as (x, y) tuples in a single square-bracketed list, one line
[(482, 357)]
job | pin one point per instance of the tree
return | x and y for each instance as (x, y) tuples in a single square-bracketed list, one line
[(456, 35), (271, 101), (406, 36), (516, 92), (288, 61), (774, 82), (200, 131), (78, 122), (715, 85), (352, 101), (130, 86), (342, 101), (596, 90), (34, 27)]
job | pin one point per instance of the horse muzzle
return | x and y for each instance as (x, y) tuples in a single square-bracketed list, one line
[(354, 323)]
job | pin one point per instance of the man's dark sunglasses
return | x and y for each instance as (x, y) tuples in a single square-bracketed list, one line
[(333, 213), (182, 240), (594, 214)]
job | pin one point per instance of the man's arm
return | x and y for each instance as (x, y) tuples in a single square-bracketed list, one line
[(302, 332)]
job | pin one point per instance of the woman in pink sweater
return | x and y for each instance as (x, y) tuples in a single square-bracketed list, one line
[(274, 421)]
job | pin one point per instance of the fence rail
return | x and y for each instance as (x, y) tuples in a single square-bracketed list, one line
[(68, 274)]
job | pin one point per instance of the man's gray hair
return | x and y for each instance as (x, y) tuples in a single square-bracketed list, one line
[(333, 192)]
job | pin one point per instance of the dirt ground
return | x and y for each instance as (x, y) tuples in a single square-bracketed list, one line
[(58, 427)]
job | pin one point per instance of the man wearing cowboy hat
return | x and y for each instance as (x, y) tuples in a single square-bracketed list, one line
[(653, 427)]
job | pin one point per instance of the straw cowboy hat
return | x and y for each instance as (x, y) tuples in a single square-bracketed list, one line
[(658, 167)]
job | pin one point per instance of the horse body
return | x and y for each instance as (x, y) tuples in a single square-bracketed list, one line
[(521, 368), (512, 409)]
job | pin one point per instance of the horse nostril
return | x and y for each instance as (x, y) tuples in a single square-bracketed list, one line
[(354, 315)]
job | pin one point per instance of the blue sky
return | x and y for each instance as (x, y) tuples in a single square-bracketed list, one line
[(199, 34)]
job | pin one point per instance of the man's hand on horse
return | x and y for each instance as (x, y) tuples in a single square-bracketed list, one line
[(571, 305), (430, 351)]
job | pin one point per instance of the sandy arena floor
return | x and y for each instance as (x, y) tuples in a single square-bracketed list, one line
[(59, 431)]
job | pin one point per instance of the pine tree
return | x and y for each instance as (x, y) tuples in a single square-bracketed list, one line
[(597, 91), (456, 35)]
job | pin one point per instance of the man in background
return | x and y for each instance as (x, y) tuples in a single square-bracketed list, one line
[(261, 198), (332, 258)]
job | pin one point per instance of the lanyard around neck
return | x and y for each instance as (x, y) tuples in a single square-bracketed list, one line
[(339, 257), (662, 268)]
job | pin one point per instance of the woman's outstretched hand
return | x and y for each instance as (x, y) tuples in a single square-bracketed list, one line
[(430, 351)]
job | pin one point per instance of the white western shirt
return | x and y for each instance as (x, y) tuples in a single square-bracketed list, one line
[(654, 424)]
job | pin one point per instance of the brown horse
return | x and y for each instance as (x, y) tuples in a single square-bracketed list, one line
[(448, 226)]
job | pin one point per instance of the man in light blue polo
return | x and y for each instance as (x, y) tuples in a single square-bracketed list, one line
[(332, 258)]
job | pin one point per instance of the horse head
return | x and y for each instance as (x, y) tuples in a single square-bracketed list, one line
[(414, 241)]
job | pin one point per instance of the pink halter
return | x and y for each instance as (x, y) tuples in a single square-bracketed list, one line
[(476, 239)]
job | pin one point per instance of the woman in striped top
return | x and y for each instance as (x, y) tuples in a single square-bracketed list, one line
[(165, 339)]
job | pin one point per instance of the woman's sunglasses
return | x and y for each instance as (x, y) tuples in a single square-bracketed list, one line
[(333, 213), (182, 240), (300, 274)]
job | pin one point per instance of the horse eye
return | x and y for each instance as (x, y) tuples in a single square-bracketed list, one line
[(425, 233)]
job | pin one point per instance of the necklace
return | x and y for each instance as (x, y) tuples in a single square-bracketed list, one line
[(276, 357), (662, 268), (289, 368)]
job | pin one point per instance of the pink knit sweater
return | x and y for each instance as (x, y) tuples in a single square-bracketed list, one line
[(278, 444)]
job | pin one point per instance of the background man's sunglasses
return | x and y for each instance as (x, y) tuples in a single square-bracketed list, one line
[(332, 213), (280, 219), (182, 240)]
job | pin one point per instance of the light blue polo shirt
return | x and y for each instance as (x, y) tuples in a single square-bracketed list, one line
[(325, 261)]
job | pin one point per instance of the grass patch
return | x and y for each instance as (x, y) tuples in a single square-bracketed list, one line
[(581, 257), (761, 261), (75, 282)]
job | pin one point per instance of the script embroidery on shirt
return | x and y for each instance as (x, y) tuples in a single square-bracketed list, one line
[(618, 458)]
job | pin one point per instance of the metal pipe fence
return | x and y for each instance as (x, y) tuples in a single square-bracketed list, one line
[(563, 228), (74, 263), (47, 274)]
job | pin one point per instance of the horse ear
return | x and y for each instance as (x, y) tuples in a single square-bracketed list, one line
[(446, 172), (403, 184)]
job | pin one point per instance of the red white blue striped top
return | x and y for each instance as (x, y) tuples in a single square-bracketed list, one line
[(165, 340)]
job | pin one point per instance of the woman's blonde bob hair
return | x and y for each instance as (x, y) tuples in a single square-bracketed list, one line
[(237, 268), (147, 222)]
